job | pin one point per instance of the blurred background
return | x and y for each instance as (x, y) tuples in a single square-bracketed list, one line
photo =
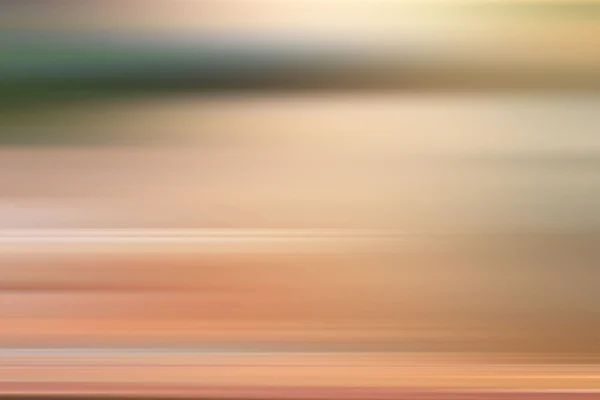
[(300, 199)]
